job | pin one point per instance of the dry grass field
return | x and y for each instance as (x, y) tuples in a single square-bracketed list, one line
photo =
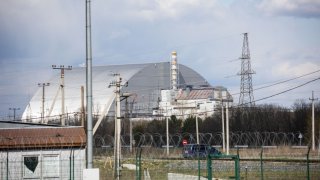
[(277, 163)]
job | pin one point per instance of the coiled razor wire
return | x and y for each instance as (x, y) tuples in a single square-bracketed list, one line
[(254, 139)]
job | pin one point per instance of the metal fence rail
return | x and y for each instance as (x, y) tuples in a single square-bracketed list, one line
[(154, 164)]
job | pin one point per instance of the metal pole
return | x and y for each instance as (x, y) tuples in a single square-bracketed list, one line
[(43, 99), (227, 126), (89, 86), (115, 149), (223, 128), (198, 163), (14, 112), (167, 132), (237, 165), (130, 124), (72, 164), (7, 165), (209, 167), (70, 168), (63, 121), (137, 164), (261, 163), (313, 129), (130, 120), (42, 113), (308, 165), (197, 128), (313, 141), (82, 106)]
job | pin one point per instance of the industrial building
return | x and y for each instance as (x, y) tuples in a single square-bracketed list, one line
[(200, 102), (42, 152), (149, 89)]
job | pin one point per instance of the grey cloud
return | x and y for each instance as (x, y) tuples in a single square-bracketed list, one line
[(295, 8)]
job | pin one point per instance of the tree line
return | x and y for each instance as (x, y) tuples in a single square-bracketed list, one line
[(260, 118)]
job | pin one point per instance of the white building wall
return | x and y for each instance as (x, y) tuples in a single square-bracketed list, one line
[(190, 107), (17, 170), (185, 108)]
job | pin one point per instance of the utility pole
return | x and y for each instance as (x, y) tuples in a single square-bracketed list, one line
[(313, 129), (62, 69), (14, 112), (223, 128), (82, 106), (197, 128), (117, 126), (43, 85), (227, 126), (130, 129), (167, 130), (197, 124), (246, 90), (167, 133)]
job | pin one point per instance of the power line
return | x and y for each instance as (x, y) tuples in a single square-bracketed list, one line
[(282, 92), (288, 80), (281, 82)]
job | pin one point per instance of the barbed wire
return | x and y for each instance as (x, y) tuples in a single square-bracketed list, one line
[(252, 139)]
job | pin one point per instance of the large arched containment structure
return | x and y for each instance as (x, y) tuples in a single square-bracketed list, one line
[(145, 82)]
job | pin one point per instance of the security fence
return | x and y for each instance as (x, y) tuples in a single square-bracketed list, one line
[(253, 139), (281, 157), (271, 163)]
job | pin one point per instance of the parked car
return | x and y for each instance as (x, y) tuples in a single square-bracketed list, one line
[(198, 150)]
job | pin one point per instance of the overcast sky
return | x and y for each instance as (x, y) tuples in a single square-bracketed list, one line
[(284, 41)]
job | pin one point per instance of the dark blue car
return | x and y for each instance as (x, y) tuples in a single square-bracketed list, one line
[(198, 150)]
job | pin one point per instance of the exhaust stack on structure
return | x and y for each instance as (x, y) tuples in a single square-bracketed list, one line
[(174, 71)]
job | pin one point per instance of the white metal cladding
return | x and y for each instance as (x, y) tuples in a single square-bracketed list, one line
[(68, 162), (145, 80)]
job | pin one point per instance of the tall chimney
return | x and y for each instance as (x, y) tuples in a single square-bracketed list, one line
[(174, 71)]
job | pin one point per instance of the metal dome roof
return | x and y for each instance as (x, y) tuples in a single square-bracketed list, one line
[(144, 80)]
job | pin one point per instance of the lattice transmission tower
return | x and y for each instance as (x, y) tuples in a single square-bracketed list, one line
[(246, 91)]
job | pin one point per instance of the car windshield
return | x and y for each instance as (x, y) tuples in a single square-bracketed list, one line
[(188, 147)]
